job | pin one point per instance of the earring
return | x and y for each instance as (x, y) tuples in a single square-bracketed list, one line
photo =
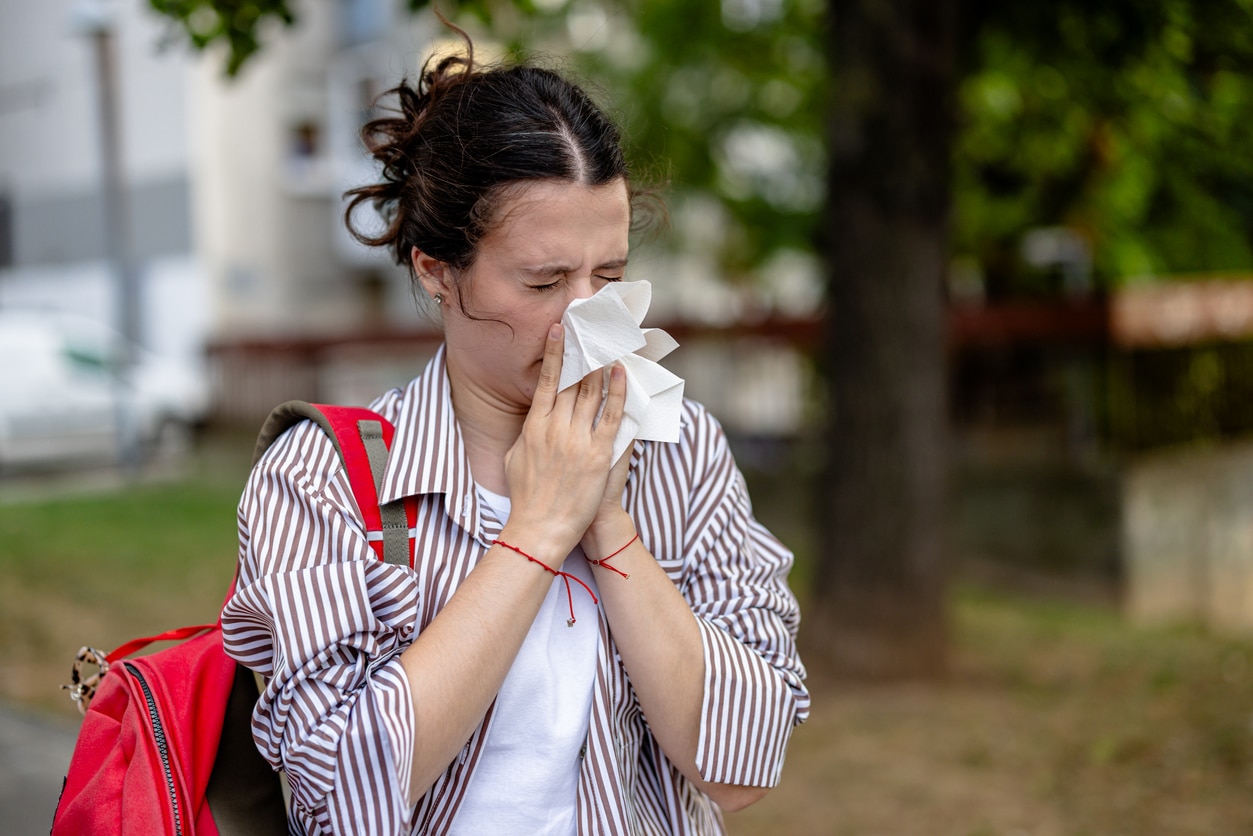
[(439, 298)]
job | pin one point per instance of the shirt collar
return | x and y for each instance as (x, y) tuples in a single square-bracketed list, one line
[(428, 454)]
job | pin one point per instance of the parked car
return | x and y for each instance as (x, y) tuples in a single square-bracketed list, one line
[(64, 398)]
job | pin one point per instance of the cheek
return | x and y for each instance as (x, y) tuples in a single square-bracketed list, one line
[(543, 317), (516, 339)]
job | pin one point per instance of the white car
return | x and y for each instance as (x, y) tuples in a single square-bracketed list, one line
[(64, 400)]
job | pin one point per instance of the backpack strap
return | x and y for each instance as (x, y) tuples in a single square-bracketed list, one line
[(362, 439)]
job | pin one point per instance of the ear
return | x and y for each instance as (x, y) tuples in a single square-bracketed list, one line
[(434, 275)]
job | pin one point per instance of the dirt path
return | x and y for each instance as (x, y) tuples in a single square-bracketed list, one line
[(1081, 732)]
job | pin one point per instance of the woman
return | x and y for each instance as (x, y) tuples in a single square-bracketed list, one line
[(480, 692)]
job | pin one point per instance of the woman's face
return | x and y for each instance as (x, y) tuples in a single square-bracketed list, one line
[(553, 242)]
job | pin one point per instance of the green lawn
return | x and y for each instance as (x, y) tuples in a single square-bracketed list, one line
[(101, 567)]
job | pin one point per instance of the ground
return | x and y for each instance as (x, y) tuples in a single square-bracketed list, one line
[(1057, 720), (1059, 717)]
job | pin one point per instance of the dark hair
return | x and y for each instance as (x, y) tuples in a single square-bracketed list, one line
[(461, 138)]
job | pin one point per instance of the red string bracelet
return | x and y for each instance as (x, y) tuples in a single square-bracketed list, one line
[(604, 561), (565, 576)]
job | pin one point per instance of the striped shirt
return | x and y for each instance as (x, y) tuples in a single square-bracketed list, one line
[(325, 621)]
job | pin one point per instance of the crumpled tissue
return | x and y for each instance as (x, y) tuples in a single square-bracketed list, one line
[(605, 328)]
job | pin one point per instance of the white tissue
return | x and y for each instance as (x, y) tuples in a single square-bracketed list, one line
[(605, 328)]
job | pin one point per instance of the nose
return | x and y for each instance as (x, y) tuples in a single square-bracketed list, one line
[(583, 287)]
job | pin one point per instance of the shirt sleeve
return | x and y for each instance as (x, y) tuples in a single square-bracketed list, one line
[(736, 581), (324, 621)]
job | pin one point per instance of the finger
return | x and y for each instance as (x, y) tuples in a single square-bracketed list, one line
[(616, 473), (615, 484), (615, 401), (550, 370), (587, 402)]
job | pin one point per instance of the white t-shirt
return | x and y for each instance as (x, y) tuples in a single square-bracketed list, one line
[(528, 776)]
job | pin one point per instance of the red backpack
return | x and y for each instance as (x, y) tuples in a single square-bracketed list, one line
[(166, 743)]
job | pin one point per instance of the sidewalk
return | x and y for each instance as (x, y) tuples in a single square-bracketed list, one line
[(34, 753)]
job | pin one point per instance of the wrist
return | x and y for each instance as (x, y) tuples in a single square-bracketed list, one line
[(556, 573), (607, 535), (539, 541)]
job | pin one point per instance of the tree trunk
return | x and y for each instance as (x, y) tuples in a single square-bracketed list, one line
[(879, 608)]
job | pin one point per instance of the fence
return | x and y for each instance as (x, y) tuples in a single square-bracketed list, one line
[(757, 378), (1147, 368)]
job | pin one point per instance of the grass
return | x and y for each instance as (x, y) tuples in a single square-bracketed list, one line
[(102, 567), (1059, 717)]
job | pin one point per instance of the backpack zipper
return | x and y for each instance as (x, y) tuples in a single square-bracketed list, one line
[(163, 748)]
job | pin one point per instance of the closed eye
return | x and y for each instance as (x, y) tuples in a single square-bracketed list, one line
[(544, 288)]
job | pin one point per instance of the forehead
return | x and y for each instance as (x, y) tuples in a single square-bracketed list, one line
[(538, 215)]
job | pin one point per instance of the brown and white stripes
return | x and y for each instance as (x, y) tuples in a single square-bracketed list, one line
[(325, 621)]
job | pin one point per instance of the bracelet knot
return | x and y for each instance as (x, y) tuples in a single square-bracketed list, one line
[(604, 561)]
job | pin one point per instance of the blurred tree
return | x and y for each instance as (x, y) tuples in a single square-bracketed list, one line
[(945, 127), (1126, 121), (879, 608), (729, 98)]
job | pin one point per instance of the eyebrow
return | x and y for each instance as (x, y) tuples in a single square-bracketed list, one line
[(558, 269)]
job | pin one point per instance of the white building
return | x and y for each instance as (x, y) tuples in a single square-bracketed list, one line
[(278, 146), (52, 247), (232, 185)]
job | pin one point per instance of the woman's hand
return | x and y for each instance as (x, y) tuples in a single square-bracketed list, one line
[(558, 468)]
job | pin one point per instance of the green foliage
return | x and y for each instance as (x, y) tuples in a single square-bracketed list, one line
[(730, 96), (1130, 128), (156, 532), (236, 23), (721, 103)]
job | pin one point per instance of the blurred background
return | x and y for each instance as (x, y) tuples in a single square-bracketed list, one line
[(970, 287)]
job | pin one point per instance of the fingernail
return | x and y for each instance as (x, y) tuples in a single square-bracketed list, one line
[(617, 372), (554, 331)]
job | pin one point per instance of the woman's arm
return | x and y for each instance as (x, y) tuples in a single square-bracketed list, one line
[(716, 651), (660, 643)]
